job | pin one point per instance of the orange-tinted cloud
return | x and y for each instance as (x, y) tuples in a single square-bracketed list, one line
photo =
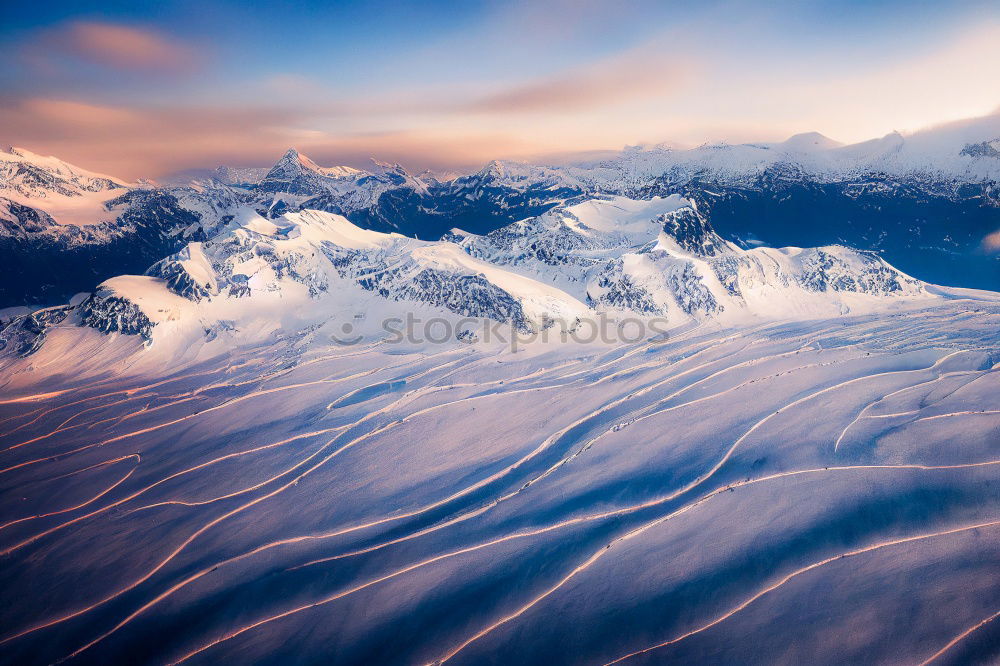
[(150, 142), (115, 46), (128, 48), (992, 242), (642, 73), (69, 114)]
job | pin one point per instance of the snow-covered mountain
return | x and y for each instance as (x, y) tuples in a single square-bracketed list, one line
[(661, 256), (64, 229), (944, 157), (927, 203), (295, 172), (228, 456), (748, 492), (611, 256), (55, 192), (295, 182), (25, 176)]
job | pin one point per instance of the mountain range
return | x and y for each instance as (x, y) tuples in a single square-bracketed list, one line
[(927, 203), (657, 257), (736, 404)]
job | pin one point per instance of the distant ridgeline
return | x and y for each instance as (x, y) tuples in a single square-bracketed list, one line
[(933, 235), (929, 211)]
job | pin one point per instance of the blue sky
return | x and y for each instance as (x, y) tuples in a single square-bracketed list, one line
[(147, 88)]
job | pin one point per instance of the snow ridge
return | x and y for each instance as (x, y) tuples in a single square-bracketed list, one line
[(611, 256)]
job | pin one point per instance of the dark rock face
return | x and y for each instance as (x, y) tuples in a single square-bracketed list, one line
[(692, 232), (47, 262), (524, 241), (17, 219), (179, 280), (982, 149), (727, 269), (688, 290), (620, 292), (156, 211), (691, 293), (428, 215), (466, 295), (112, 314), (826, 272), (284, 173), (23, 335), (930, 231)]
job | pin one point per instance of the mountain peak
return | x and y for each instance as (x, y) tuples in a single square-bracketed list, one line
[(293, 164), (293, 158), (494, 170), (809, 141), (378, 166)]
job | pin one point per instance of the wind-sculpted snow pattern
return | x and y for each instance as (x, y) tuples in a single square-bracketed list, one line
[(818, 491)]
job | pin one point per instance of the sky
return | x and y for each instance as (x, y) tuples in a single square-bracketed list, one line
[(144, 89)]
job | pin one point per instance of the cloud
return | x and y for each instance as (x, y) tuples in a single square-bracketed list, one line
[(667, 88), (648, 72), (134, 142), (637, 74), (114, 46), (992, 242)]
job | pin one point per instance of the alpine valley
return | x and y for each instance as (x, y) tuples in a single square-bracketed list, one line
[(734, 404)]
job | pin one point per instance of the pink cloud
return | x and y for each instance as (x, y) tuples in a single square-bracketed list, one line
[(134, 142), (115, 46), (992, 242), (645, 72)]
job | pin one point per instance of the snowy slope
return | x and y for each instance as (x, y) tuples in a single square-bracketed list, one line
[(67, 193), (820, 491)]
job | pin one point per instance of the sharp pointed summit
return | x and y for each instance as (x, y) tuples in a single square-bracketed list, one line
[(296, 173)]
